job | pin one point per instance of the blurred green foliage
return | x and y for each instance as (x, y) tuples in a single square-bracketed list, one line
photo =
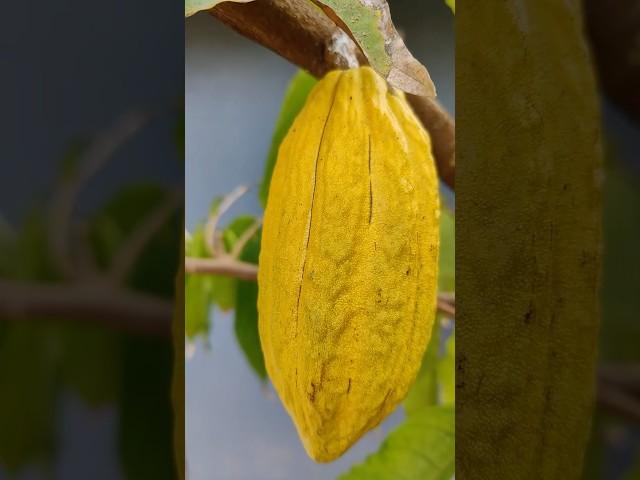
[(40, 360), (614, 441)]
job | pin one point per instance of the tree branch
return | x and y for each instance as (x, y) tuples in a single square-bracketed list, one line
[(302, 34), (86, 303)]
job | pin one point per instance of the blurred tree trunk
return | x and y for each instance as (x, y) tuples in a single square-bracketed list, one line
[(614, 32)]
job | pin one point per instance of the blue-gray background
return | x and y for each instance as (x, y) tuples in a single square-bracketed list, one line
[(236, 428)]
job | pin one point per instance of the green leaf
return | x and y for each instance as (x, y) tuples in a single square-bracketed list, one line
[(146, 417), (621, 264), (154, 269), (246, 321), (197, 290), (423, 447), (363, 22), (424, 391), (446, 372), (197, 293), (293, 101), (28, 393), (86, 359), (447, 264), (178, 373), (90, 362), (25, 254), (69, 163), (634, 472), (201, 291), (452, 5), (223, 289), (194, 6), (236, 228), (196, 247), (369, 23), (215, 205)]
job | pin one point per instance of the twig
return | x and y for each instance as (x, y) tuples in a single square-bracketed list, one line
[(86, 265), (304, 35), (225, 265), (624, 376), (64, 199), (212, 223), (447, 304), (133, 247), (247, 235), (86, 303), (618, 401)]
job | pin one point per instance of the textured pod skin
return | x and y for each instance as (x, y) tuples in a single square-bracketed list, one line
[(347, 278), (529, 230)]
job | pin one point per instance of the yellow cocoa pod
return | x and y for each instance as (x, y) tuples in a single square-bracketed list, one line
[(347, 278), (529, 257)]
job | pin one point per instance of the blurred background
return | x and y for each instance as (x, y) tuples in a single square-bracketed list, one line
[(91, 147), (85, 394), (235, 424), (613, 29)]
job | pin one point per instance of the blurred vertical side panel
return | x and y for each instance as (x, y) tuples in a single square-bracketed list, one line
[(91, 207), (529, 178)]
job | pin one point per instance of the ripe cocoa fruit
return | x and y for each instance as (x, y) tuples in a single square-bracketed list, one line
[(348, 266), (529, 224)]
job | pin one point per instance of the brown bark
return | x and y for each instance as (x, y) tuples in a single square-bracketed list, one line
[(303, 35)]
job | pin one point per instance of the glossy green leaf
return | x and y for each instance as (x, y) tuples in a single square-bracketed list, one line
[(246, 321), (293, 101), (423, 447)]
